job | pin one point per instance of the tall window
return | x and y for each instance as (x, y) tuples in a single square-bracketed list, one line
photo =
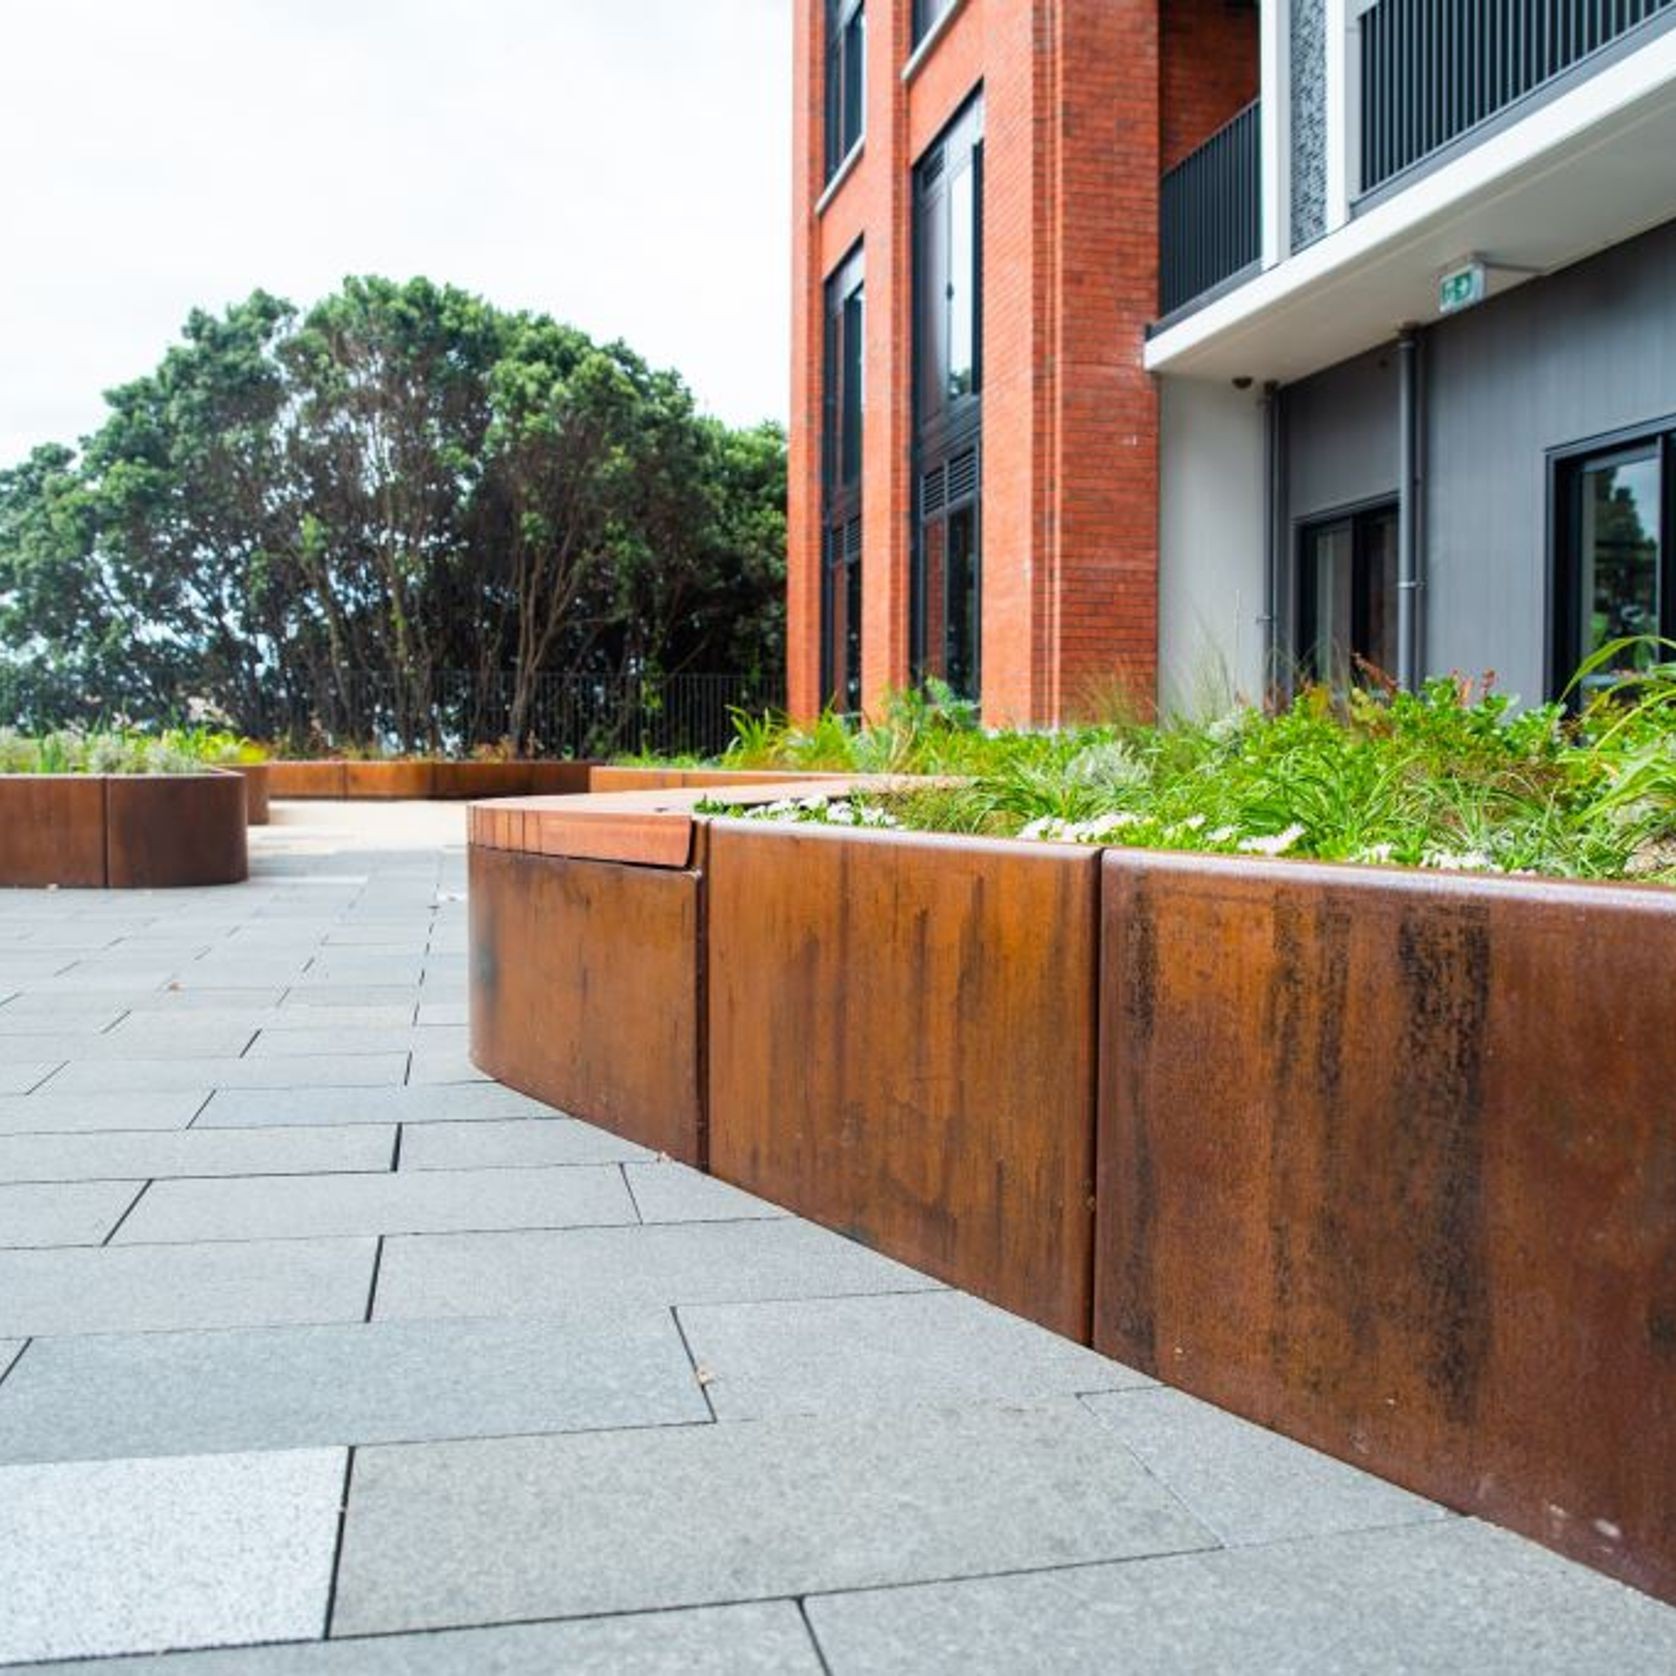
[(1347, 596), (841, 487), (948, 380), (1616, 552), (926, 15), (846, 79)]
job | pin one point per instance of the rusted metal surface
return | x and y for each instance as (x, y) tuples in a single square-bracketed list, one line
[(1388, 1163), (902, 1046), (174, 829), (52, 829), (606, 778), (408, 780), (307, 779), (585, 990), (560, 779), (255, 777)]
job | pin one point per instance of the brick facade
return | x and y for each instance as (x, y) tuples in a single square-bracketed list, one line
[(1084, 101)]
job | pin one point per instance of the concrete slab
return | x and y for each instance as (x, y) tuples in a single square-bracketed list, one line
[(196, 1152), (1250, 1485), (414, 1202), (849, 1355), (1422, 1600), (761, 1639), (548, 1273), (442, 1066), (24, 1075), (669, 1192), (310, 1071), (136, 1394), (513, 1144), (552, 1527), (266, 1108), (135, 1556), (217, 1040), (62, 1213), (51, 1113), (110, 1289)]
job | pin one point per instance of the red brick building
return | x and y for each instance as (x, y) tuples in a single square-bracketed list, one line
[(974, 438)]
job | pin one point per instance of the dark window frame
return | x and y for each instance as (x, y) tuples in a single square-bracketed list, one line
[(843, 408), (1360, 515), (928, 14), (844, 98), (1566, 466)]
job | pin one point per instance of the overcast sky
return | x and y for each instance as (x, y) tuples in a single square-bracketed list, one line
[(623, 166)]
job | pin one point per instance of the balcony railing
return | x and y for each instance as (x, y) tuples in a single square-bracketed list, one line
[(1210, 213), (1433, 70)]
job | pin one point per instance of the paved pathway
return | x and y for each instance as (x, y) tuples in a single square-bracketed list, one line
[(310, 1337)]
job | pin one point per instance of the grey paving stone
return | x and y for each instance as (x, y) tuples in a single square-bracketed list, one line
[(113, 1289), (353, 995), (348, 1038), (1422, 1600), (21, 1077), (414, 1202), (512, 1144), (1250, 1485), (196, 1152), (552, 1527), (220, 1040), (450, 1103), (763, 1638), (10, 1350), (431, 1067), (669, 1192), (53, 1113), (444, 1012), (116, 1395), (62, 1213), (188, 997), (136, 1556), (847, 1355), (24, 1021), (548, 1273), (355, 1070)]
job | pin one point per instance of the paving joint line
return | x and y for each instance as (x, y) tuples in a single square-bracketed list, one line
[(145, 1187), (337, 1545), (699, 1373), (814, 1640), (372, 1284)]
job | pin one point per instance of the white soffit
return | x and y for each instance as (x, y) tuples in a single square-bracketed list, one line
[(1585, 171)]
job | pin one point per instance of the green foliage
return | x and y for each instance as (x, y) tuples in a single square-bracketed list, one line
[(72, 751), (1452, 777), (298, 519)]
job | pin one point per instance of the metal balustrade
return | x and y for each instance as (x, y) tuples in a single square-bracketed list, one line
[(1433, 70), (1210, 213)]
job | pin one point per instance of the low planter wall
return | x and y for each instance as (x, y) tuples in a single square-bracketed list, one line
[(901, 1046), (255, 777), (1384, 1161), (128, 831), (1388, 1163), (422, 778)]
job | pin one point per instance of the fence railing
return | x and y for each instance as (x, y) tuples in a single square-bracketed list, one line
[(1210, 213), (1432, 70), (563, 714)]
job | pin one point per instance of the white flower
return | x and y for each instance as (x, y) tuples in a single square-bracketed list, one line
[(1223, 834), (1374, 854), (1460, 861), (1277, 843)]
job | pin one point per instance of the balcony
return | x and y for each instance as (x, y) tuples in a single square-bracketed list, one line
[(1210, 214), (1432, 71)]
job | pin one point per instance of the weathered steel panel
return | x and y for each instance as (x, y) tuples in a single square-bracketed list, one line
[(175, 829), (407, 779), (585, 991), (1388, 1163), (255, 777), (902, 1046), (52, 829)]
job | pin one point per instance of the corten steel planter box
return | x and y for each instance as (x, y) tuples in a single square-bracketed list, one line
[(1388, 1163), (395, 781), (52, 829), (128, 831), (585, 990), (308, 779), (175, 829), (902, 1046), (255, 777)]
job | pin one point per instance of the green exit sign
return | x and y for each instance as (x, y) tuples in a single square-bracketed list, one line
[(1460, 288)]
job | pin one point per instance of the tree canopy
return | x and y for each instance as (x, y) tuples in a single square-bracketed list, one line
[(311, 518)]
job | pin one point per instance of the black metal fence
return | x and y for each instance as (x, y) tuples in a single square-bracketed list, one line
[(1210, 212), (1432, 70), (562, 714)]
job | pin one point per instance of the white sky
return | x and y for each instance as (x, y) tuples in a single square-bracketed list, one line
[(621, 164)]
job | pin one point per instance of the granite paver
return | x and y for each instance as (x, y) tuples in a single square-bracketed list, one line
[(690, 1434)]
